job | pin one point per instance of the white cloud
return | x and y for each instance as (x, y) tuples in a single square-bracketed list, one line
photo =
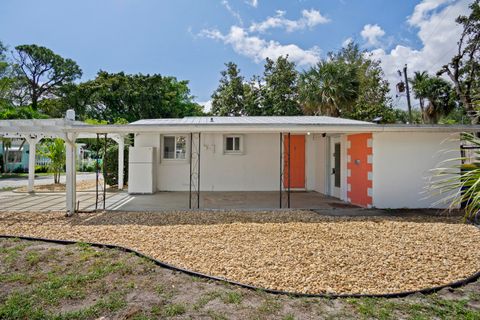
[(253, 3), (310, 18), (346, 42), (234, 13), (438, 33), (259, 49), (423, 9), (371, 33), (207, 105)]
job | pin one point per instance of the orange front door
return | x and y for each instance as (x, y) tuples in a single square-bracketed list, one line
[(297, 161)]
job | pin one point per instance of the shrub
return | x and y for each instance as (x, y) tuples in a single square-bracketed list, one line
[(19, 169), (111, 164), (41, 169)]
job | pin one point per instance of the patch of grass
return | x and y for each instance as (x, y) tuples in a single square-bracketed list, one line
[(288, 317), (451, 309), (475, 296), (373, 308), (165, 293), (56, 288), (214, 315), (21, 306), (175, 309), (112, 303), (8, 188), (33, 258), (88, 251), (16, 277), (232, 297), (12, 253), (156, 310), (206, 298), (270, 305)]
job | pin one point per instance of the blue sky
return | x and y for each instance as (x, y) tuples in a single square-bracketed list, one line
[(193, 39)]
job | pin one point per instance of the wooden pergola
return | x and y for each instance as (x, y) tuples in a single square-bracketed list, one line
[(34, 130)]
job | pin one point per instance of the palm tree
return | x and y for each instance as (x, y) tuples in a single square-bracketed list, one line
[(437, 92), (419, 89), (329, 88), (440, 99), (459, 185), (55, 151)]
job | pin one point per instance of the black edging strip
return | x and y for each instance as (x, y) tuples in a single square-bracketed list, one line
[(431, 290)]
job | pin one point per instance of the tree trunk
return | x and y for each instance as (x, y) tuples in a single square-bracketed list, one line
[(422, 109)]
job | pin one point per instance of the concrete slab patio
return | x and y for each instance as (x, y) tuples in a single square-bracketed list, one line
[(123, 201)]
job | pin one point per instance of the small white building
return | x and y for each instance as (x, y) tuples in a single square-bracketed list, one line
[(362, 163), (370, 165)]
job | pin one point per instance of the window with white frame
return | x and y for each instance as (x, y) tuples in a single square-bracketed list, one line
[(14, 156), (175, 147), (233, 144)]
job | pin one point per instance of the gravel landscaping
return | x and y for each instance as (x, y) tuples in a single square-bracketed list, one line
[(295, 251)]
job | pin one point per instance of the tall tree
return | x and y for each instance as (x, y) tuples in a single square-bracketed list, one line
[(419, 87), (5, 76), (253, 96), (464, 68), (229, 98), (373, 100), (280, 91), (41, 72), (329, 88), (115, 97), (437, 92), (441, 100)]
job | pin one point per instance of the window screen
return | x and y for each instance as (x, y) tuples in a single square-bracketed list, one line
[(169, 147), (233, 144), (180, 147)]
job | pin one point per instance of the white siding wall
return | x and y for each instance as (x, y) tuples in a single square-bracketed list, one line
[(257, 169), (401, 164)]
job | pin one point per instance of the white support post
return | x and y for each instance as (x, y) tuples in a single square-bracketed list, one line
[(71, 183), (121, 161), (32, 150)]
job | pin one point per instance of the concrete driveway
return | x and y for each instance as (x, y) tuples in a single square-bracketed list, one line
[(55, 201)]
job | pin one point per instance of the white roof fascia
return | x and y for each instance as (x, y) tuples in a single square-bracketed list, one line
[(271, 128)]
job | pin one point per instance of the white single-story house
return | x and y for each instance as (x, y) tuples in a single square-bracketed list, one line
[(370, 165), (362, 163)]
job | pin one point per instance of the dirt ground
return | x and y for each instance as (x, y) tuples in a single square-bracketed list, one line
[(40, 280), (84, 185), (295, 251)]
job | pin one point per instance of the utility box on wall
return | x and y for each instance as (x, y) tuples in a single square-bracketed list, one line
[(142, 170)]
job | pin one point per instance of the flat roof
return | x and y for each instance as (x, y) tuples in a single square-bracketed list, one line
[(243, 120), (266, 124)]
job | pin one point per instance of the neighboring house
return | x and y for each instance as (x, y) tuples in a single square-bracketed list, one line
[(370, 165), (17, 159)]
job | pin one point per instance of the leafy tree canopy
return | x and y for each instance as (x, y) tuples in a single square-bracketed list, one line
[(229, 98), (464, 68), (120, 97), (41, 73), (279, 95)]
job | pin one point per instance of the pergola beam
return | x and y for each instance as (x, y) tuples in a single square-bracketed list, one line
[(71, 183), (32, 150)]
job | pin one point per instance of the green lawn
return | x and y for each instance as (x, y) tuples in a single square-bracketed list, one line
[(22, 175), (49, 281)]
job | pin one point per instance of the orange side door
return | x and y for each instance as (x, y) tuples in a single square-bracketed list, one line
[(297, 159)]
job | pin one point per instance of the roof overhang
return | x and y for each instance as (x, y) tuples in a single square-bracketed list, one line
[(60, 127)]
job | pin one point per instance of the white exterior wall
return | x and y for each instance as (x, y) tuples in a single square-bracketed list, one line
[(257, 169), (320, 159), (401, 166)]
